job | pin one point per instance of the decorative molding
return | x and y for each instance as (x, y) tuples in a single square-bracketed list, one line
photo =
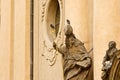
[(61, 3), (50, 54), (43, 9)]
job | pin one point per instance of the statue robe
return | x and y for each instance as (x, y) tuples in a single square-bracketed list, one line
[(76, 61)]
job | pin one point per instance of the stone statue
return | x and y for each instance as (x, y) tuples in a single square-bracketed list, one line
[(108, 60), (76, 58)]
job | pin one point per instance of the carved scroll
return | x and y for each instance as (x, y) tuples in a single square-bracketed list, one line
[(43, 8), (49, 54)]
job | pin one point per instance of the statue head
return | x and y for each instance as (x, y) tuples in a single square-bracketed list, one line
[(112, 44), (70, 37), (68, 29)]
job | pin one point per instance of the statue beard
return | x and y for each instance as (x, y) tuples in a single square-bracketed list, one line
[(69, 44), (68, 41)]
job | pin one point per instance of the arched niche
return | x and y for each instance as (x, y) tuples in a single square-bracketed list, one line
[(53, 16)]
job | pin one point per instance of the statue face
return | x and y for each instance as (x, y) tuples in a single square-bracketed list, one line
[(112, 44), (71, 42), (68, 30)]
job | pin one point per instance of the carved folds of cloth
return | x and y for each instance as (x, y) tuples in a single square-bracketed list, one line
[(75, 56)]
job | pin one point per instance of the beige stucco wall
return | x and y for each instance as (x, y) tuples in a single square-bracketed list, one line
[(14, 40), (95, 22), (97, 18), (79, 13), (5, 42)]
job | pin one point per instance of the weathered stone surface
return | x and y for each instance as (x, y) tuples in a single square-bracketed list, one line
[(77, 61)]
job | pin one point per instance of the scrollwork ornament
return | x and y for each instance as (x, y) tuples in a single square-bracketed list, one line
[(43, 8), (50, 54)]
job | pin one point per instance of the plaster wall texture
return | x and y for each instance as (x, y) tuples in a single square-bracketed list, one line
[(14, 40), (79, 13), (95, 22)]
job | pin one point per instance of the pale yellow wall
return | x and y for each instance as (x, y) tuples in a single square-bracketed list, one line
[(106, 28), (100, 16), (5, 40), (15, 40), (79, 13)]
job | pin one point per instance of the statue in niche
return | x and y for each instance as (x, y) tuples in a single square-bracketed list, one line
[(108, 60), (77, 62)]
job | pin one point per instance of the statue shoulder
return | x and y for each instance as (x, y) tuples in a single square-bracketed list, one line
[(78, 43)]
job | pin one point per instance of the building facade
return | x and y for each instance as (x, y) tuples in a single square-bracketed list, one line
[(26, 38)]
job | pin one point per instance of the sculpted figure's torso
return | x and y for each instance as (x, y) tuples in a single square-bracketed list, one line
[(108, 60), (76, 59)]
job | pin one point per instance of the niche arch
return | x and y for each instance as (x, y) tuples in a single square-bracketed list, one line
[(53, 16)]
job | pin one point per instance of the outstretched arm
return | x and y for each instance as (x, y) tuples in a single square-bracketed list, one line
[(61, 48)]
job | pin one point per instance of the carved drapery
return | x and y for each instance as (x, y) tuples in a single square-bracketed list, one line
[(76, 60), (115, 69), (108, 60), (111, 63)]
